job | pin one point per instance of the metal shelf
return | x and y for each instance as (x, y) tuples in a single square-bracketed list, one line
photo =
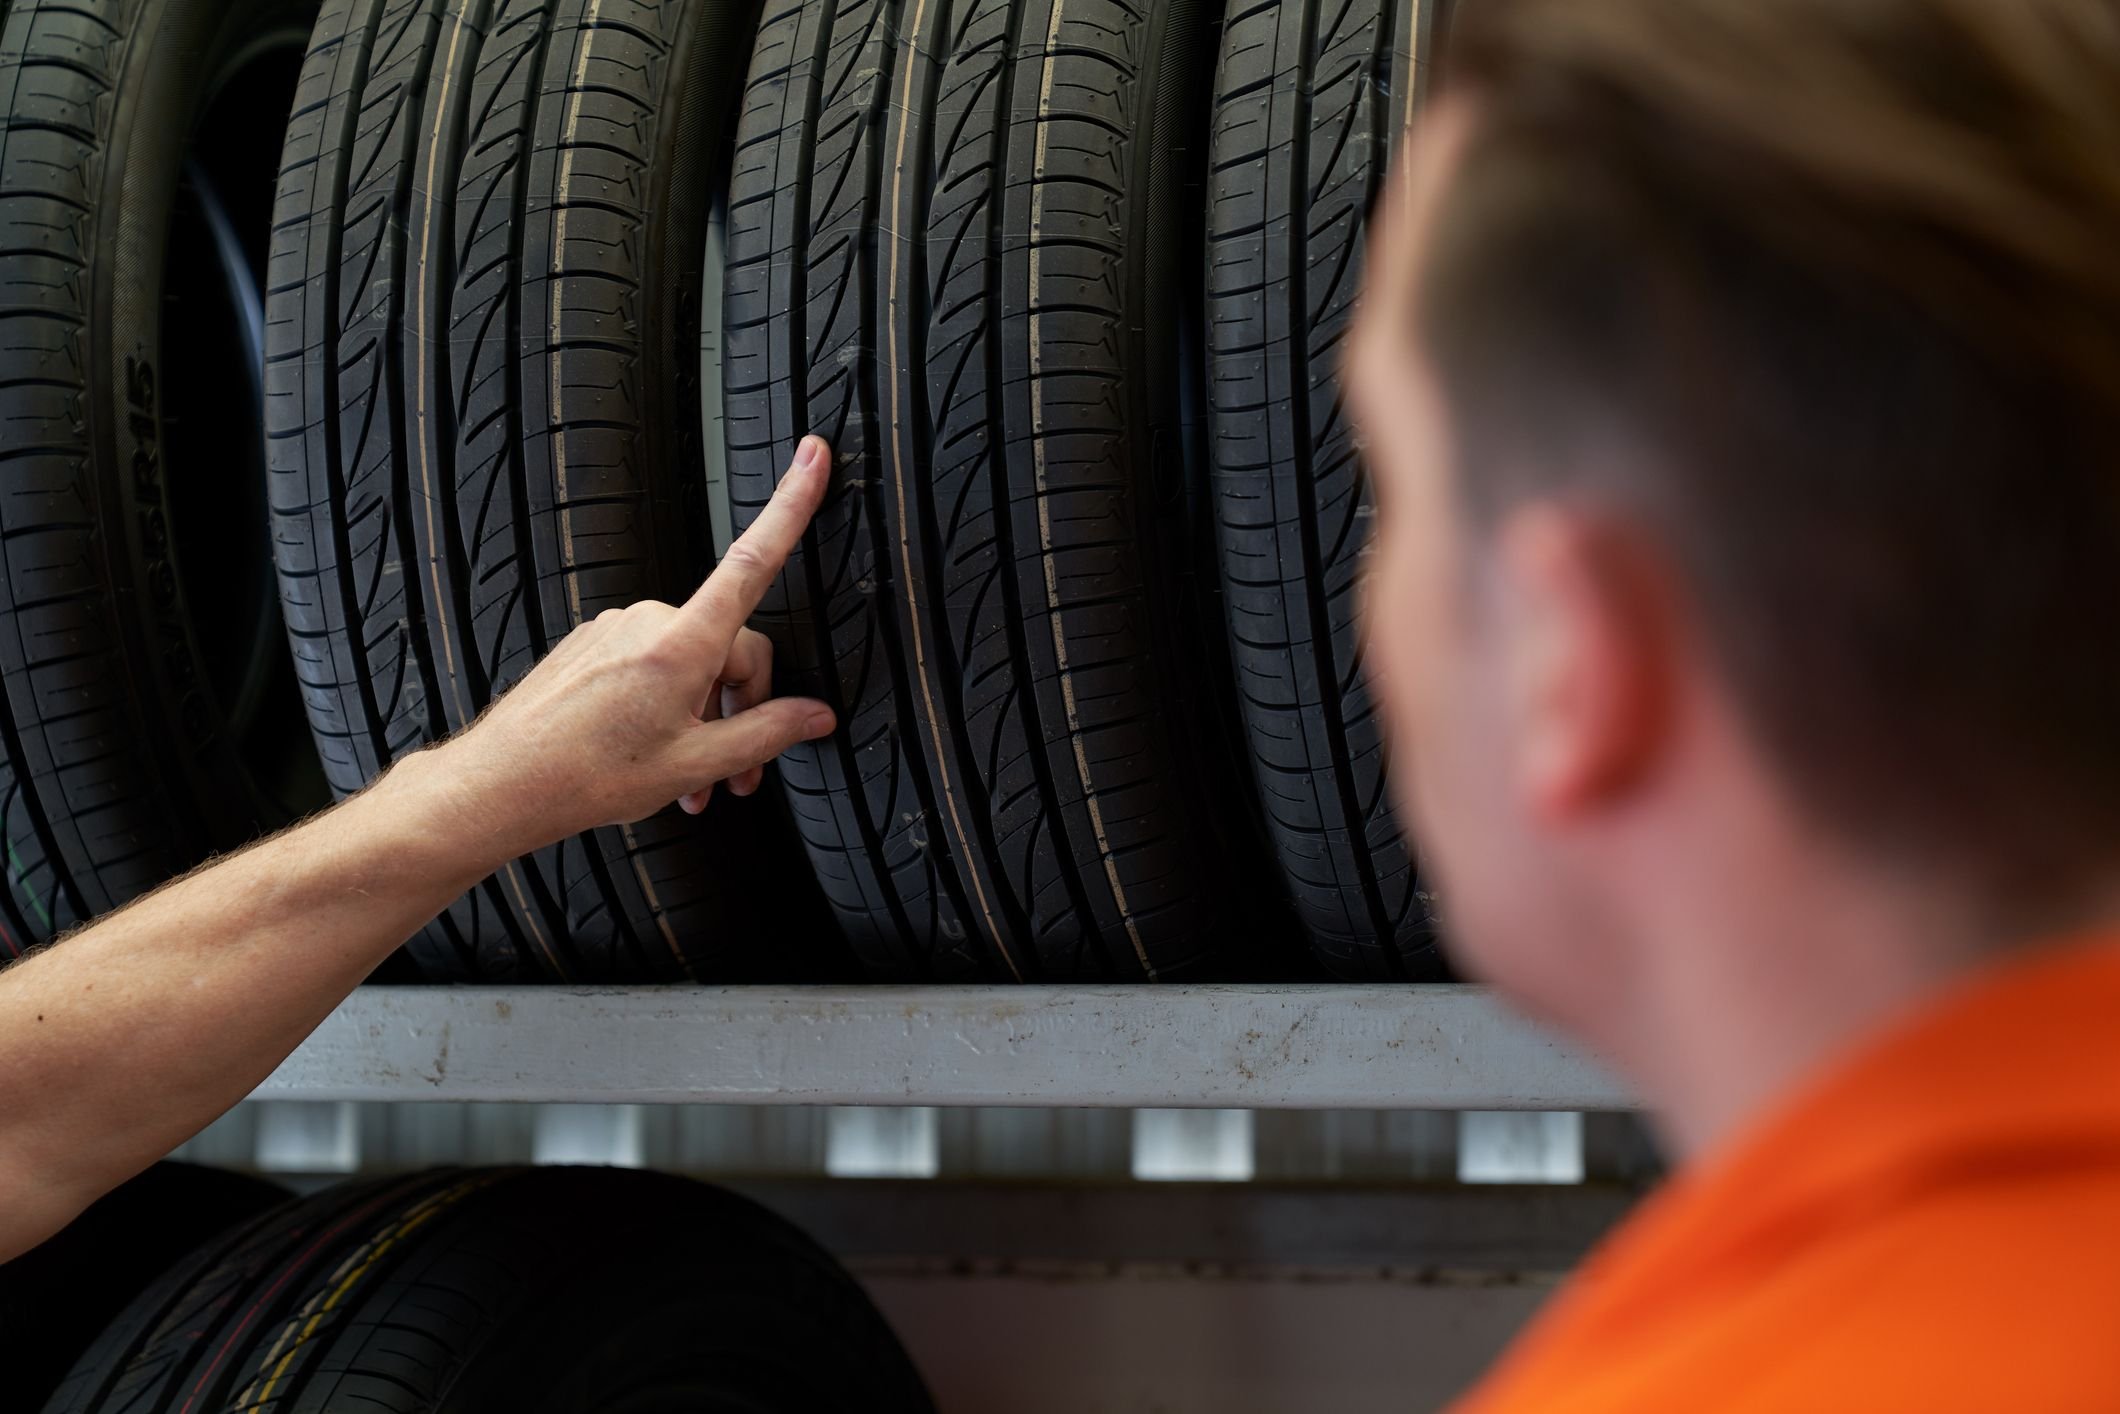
[(1303, 1047)]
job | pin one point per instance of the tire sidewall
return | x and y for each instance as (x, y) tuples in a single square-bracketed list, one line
[(180, 51)]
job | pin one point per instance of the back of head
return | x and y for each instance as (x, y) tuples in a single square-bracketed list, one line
[(1826, 293)]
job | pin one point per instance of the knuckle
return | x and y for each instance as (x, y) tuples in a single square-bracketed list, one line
[(661, 655)]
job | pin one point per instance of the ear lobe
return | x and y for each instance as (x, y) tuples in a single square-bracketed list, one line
[(1589, 658)]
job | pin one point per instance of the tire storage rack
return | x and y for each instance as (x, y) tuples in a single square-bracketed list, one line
[(533, 300)]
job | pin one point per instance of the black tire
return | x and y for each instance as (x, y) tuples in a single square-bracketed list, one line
[(537, 1291), (56, 1298), (484, 412), (1309, 99), (999, 596), (143, 720), (209, 1305)]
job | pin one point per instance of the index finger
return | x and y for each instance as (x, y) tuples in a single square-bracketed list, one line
[(720, 606)]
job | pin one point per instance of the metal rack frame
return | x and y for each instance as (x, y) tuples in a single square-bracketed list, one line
[(1237, 1047)]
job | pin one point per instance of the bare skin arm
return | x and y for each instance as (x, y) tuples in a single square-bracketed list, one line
[(134, 1033)]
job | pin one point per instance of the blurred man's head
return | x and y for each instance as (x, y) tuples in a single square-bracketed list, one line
[(1742, 387)]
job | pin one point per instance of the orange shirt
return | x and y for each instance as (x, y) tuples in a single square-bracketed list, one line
[(1933, 1227)]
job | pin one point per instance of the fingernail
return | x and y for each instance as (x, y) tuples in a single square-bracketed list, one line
[(816, 725), (806, 451)]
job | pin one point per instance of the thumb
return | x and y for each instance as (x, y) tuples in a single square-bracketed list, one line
[(729, 746)]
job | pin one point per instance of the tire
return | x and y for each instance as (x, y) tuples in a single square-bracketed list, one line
[(999, 597), (146, 695), (545, 1291), (1309, 99), (56, 1298), (484, 411)]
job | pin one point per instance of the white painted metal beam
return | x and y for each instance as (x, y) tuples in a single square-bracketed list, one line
[(1321, 1047)]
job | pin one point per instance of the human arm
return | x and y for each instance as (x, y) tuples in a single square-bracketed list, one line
[(129, 1036)]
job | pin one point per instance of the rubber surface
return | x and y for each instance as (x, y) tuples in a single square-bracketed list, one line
[(532, 1290), (1309, 98), (484, 409), (115, 766), (56, 1298), (955, 236)]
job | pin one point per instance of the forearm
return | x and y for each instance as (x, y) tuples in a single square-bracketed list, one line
[(125, 1039)]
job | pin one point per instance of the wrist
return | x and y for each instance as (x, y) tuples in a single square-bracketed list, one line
[(437, 803)]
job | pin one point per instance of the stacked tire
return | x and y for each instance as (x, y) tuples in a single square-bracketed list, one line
[(57, 1299), (148, 715), (1311, 99), (544, 297), (501, 1289), (484, 415), (960, 237), (956, 243)]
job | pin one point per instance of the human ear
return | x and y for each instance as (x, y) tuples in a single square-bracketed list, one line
[(1587, 657)]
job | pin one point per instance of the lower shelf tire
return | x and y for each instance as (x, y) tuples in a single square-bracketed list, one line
[(146, 698), (536, 1291), (955, 243), (1310, 98), (484, 415), (56, 1298)]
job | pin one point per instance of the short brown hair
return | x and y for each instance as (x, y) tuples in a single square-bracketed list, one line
[(1828, 291)]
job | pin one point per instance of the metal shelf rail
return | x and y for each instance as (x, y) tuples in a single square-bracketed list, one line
[(1234, 1047)]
